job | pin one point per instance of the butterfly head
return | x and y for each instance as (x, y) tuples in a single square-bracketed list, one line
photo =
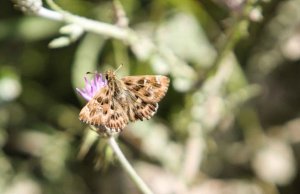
[(110, 75)]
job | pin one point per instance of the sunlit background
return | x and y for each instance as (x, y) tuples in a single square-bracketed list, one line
[(229, 124)]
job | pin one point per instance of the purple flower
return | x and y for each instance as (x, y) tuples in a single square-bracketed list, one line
[(92, 87)]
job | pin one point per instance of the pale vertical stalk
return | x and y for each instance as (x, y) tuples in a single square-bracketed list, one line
[(128, 168)]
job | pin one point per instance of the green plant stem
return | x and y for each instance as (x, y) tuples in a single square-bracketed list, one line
[(53, 5), (108, 30), (238, 30), (128, 168)]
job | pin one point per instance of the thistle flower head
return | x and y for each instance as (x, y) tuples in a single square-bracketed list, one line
[(92, 86)]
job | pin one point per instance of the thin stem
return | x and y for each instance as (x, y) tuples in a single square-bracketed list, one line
[(238, 31), (89, 25), (128, 168), (100, 27), (53, 5), (49, 14)]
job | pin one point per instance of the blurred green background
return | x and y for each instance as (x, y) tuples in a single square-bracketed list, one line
[(228, 124)]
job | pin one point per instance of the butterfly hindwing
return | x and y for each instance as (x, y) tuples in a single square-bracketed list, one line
[(141, 109), (147, 110), (118, 118)]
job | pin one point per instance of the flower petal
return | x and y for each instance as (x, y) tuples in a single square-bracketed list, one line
[(92, 86)]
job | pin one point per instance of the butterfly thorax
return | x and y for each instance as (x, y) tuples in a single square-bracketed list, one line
[(117, 87)]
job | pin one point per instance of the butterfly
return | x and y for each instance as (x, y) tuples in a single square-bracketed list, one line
[(124, 100)]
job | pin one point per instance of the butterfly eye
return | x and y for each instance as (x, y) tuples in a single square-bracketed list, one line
[(106, 76)]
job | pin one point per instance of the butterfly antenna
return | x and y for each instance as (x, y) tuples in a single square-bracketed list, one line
[(88, 72), (119, 68)]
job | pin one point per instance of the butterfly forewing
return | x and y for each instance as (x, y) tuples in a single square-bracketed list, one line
[(151, 88), (95, 111), (128, 99), (104, 110)]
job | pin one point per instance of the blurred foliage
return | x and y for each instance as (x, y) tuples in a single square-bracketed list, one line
[(229, 123)]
